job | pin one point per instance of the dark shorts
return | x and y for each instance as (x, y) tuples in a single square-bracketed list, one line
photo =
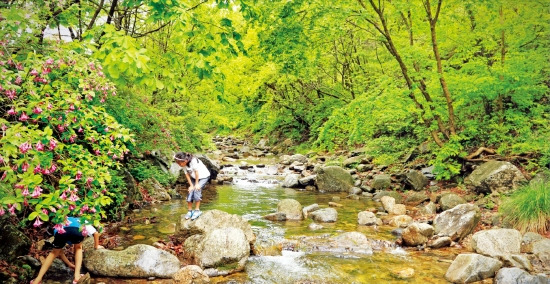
[(72, 236)]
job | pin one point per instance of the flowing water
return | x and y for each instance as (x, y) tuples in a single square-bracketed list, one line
[(256, 193)]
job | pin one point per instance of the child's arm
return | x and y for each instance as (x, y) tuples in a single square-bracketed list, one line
[(64, 258), (191, 187)]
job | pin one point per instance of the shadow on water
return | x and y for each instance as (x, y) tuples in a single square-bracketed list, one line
[(255, 194)]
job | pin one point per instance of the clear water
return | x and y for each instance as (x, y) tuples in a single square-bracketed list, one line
[(255, 194)]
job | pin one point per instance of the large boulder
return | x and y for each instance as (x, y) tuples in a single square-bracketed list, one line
[(141, 261), (287, 160), (310, 208), (291, 180), (401, 221), (381, 182), (471, 267), (215, 219), (388, 203), (415, 198), (155, 189), (416, 180), (346, 243), (333, 179), (497, 242), (417, 234), (449, 200), (292, 209), (325, 215), (541, 250), (495, 176), (458, 222), (191, 274), (222, 251), (514, 275), (14, 242), (211, 165)]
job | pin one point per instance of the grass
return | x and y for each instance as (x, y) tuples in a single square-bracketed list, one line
[(528, 209)]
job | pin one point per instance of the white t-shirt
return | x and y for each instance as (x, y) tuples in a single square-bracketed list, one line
[(197, 165)]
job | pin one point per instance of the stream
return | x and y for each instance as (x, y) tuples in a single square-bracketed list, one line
[(255, 192)]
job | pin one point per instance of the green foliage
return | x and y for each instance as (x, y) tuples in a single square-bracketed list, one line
[(117, 191), (528, 209), (142, 170)]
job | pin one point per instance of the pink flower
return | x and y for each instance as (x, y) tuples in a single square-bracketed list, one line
[(2, 211), (72, 138), (89, 181), (53, 168), (97, 152), (11, 94), (53, 209), (37, 110), (12, 209), (92, 210), (73, 197), (37, 223), (34, 72), (59, 228), (63, 196), (84, 231), (71, 107), (53, 144), (19, 66), (37, 192), (39, 146), (45, 211), (37, 169), (50, 106), (112, 138), (91, 65), (23, 117), (11, 111), (80, 129), (72, 207), (25, 192), (3, 175), (85, 207), (78, 175), (61, 127), (4, 127), (106, 129), (18, 80), (46, 171), (49, 61), (25, 166), (23, 148), (1, 160)]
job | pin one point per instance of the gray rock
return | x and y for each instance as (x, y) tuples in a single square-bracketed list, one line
[(514, 275), (470, 267), (140, 261), (191, 274), (540, 177), (458, 222), (495, 176), (353, 161), (223, 249), (14, 243), (315, 226), (364, 168), (388, 203), (310, 208), (309, 180), (428, 172), (516, 260), (496, 242), (215, 219), (381, 182), (326, 215), (394, 194), (417, 234), (367, 218), (292, 209), (416, 180), (334, 179), (291, 180), (287, 160), (401, 221), (527, 241), (59, 272), (156, 190), (440, 242), (429, 209), (355, 191), (541, 250), (450, 200), (279, 216), (415, 198)]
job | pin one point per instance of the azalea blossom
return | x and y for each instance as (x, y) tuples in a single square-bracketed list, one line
[(12, 209), (37, 169), (63, 196), (80, 129), (3, 175), (23, 148), (11, 94), (37, 223), (12, 111), (1, 159), (23, 117), (25, 192), (45, 211), (53, 144), (37, 110), (4, 127), (72, 207), (49, 61), (25, 166), (89, 181), (61, 127), (92, 210), (73, 198), (37, 192), (53, 168), (78, 175), (34, 72), (39, 146), (50, 106), (18, 80), (84, 231), (59, 228), (2, 211)]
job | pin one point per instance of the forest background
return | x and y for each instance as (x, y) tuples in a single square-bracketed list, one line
[(88, 82)]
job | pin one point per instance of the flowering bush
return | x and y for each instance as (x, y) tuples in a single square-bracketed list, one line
[(56, 141)]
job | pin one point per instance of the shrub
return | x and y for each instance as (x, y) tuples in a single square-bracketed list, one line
[(142, 170), (528, 209)]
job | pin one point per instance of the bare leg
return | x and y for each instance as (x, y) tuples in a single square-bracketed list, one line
[(190, 205), (198, 205), (46, 264), (77, 260)]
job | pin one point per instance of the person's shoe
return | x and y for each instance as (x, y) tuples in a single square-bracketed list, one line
[(196, 214), (85, 279), (189, 214)]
